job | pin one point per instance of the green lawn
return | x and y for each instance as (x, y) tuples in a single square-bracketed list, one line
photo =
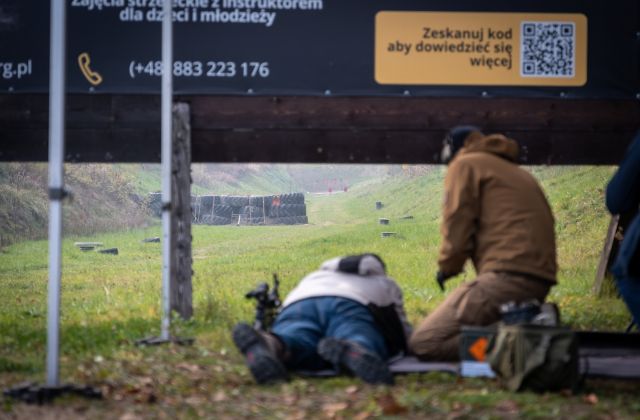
[(110, 301)]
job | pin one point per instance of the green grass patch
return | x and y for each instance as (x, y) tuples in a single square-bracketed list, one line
[(109, 301)]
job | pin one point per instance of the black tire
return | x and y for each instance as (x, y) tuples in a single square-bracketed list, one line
[(252, 212), (289, 210), (246, 220), (206, 202), (235, 200), (223, 211), (300, 220), (281, 211), (155, 204), (285, 220), (285, 199), (262, 201), (292, 198), (275, 212), (210, 200)]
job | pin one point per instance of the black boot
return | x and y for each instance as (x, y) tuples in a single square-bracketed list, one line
[(263, 362), (356, 359)]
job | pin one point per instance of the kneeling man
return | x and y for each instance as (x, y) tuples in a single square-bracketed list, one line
[(496, 215)]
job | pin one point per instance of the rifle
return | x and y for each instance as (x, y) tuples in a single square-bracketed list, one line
[(267, 304)]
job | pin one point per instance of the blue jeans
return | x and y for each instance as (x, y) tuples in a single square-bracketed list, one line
[(303, 324), (629, 289)]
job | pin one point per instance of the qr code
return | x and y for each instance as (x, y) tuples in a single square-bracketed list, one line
[(547, 49)]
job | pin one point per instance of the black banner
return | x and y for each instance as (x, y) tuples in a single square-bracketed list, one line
[(568, 48)]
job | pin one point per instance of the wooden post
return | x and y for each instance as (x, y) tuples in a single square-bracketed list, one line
[(181, 271), (603, 285)]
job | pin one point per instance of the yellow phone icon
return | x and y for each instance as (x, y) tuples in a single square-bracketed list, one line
[(92, 77)]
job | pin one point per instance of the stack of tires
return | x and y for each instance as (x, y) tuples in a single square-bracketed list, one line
[(247, 210), (288, 209), (210, 210), (154, 203), (282, 209)]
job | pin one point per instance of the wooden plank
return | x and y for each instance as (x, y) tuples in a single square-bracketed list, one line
[(411, 113), (180, 278), (125, 128), (386, 146), (604, 284), (311, 146), (601, 285)]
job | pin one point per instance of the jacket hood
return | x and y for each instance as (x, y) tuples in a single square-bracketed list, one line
[(496, 144)]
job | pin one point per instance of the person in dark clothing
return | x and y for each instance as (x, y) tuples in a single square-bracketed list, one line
[(346, 315), (623, 197)]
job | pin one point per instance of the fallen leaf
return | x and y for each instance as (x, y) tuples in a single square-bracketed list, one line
[(591, 399), (352, 389), (331, 409), (129, 416), (189, 367), (389, 405), (220, 396)]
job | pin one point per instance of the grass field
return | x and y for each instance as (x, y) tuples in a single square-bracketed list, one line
[(110, 301)]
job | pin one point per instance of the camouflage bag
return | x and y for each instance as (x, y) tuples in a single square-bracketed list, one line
[(535, 357)]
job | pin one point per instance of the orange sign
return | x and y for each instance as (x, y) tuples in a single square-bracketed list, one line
[(479, 349), (476, 48)]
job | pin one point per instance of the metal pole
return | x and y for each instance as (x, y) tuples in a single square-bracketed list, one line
[(167, 93), (56, 182)]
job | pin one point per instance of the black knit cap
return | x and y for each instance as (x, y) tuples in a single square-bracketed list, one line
[(454, 141)]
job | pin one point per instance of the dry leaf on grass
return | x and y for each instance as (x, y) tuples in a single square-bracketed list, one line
[(331, 409), (220, 396), (389, 405), (189, 367), (352, 389)]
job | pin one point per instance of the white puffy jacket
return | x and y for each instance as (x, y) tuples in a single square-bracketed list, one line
[(360, 278)]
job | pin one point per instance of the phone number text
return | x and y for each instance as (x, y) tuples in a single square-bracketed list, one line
[(213, 68)]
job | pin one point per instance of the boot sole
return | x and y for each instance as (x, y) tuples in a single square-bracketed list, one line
[(366, 366), (264, 367)]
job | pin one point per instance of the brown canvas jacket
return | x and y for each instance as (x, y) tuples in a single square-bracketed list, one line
[(495, 213)]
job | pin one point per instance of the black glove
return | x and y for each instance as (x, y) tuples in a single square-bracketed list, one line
[(441, 278)]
